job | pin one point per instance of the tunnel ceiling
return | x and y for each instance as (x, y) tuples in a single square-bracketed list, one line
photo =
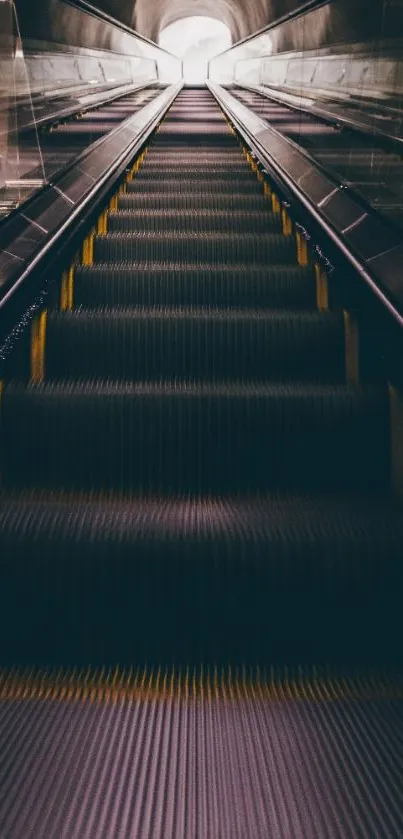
[(341, 21), (242, 17)]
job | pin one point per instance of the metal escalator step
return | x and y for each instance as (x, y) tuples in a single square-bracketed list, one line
[(162, 564), (236, 221), (196, 173), (196, 438), (215, 187), (191, 201), (202, 157), (149, 344), (160, 162), (290, 538), (180, 134), (234, 763), (247, 248), (130, 579), (199, 130), (166, 283)]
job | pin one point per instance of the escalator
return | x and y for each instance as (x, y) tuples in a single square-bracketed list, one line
[(61, 141), (200, 539), (369, 164)]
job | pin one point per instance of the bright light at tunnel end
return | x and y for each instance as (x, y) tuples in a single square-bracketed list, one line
[(196, 40)]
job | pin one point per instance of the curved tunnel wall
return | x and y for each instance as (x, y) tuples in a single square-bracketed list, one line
[(348, 20), (341, 50)]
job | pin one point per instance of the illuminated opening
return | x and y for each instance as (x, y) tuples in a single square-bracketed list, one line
[(195, 40)]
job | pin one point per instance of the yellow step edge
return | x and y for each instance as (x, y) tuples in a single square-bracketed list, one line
[(286, 222), (67, 290), (267, 189), (88, 249), (275, 204), (302, 250), (113, 204), (38, 346), (102, 223), (156, 684)]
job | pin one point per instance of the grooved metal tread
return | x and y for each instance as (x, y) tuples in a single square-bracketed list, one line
[(245, 768), (174, 220), (183, 283)]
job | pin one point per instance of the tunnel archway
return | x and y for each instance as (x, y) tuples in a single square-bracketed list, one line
[(195, 39)]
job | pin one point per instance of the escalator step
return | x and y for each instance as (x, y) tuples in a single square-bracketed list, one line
[(199, 132), (196, 438), (205, 344), (166, 283), (238, 221), (196, 173), (133, 579), (164, 159), (207, 156), (215, 187), (246, 248), (293, 539), (190, 201), (233, 765)]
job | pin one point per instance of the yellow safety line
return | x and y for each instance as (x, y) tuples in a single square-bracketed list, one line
[(275, 204), (287, 223), (67, 290), (322, 290), (88, 250), (266, 189), (302, 250), (113, 204), (396, 439), (352, 349), (102, 223), (195, 685), (38, 341)]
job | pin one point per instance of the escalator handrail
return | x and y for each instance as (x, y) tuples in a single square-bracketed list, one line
[(376, 271), (79, 106), (337, 118), (135, 131)]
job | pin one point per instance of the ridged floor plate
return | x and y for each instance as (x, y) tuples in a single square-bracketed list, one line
[(232, 761)]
